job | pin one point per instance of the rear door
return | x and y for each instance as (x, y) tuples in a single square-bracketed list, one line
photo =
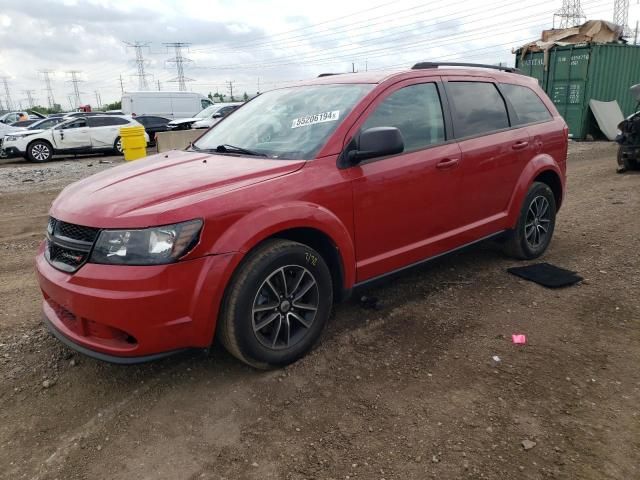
[(404, 205), (493, 154), (73, 136), (105, 130)]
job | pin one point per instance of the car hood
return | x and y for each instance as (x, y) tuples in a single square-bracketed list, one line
[(178, 121), (154, 191), (23, 133)]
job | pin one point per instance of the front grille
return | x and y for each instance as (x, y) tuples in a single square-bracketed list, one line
[(69, 245)]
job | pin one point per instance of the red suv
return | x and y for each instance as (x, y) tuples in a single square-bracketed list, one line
[(298, 197)]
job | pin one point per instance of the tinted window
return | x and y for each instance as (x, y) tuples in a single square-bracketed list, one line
[(81, 122), (477, 108), (106, 121), (416, 111), (149, 121), (205, 103), (528, 106)]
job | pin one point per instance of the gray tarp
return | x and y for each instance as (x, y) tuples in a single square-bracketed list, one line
[(608, 115)]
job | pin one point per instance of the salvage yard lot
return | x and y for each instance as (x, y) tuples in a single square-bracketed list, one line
[(407, 391)]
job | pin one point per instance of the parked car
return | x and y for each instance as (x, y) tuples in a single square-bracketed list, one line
[(153, 124), (164, 104), (301, 196), (24, 123), (214, 116), (628, 137), (12, 117), (75, 135)]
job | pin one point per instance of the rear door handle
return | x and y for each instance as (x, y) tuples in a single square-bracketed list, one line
[(447, 163), (520, 145)]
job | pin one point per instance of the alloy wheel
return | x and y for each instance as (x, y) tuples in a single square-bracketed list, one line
[(536, 227), (119, 145), (285, 307), (40, 152)]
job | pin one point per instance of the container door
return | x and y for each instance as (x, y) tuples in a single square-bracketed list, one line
[(568, 70), (533, 66)]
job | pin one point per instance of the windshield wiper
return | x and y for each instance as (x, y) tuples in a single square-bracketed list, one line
[(226, 148)]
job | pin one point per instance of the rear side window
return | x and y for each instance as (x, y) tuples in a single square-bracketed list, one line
[(477, 108), (106, 121), (526, 103), (415, 111)]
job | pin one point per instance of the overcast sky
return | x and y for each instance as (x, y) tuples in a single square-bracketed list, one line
[(256, 44)]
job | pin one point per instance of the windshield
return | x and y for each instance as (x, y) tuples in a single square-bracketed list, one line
[(292, 123), (207, 112)]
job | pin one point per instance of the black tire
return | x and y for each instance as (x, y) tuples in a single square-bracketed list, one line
[(529, 239), (117, 146), (39, 151), (625, 162), (239, 326)]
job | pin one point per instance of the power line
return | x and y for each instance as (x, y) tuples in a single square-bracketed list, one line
[(570, 14), (140, 64), (75, 81), (179, 60), (47, 82), (7, 93)]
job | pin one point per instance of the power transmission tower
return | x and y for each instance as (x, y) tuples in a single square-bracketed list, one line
[(230, 88), (621, 16), (1, 106), (179, 60), (29, 94), (140, 64), (98, 99), (159, 85), (75, 81), (47, 82), (121, 85), (7, 93), (570, 14)]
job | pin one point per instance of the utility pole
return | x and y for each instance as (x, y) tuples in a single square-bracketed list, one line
[(121, 85), (635, 37), (75, 81), (621, 16), (140, 64), (47, 82), (70, 101), (29, 94), (179, 61), (230, 88), (570, 14), (7, 93), (98, 99), (258, 92), (159, 89), (353, 67)]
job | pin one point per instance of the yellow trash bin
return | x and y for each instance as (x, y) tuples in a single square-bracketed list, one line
[(134, 145)]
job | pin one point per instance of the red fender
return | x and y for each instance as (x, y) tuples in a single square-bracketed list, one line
[(535, 167), (265, 222)]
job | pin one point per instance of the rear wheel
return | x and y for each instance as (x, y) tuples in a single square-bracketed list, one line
[(276, 305), (117, 146), (625, 161), (535, 226), (39, 151)]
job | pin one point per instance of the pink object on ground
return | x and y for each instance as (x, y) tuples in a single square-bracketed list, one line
[(519, 339)]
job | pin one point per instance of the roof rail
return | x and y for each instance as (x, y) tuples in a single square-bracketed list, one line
[(424, 65)]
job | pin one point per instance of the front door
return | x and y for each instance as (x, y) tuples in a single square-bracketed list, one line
[(73, 136), (405, 205)]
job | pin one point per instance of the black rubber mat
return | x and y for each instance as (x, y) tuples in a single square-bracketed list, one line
[(546, 275)]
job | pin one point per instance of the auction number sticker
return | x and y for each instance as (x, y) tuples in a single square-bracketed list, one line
[(317, 118)]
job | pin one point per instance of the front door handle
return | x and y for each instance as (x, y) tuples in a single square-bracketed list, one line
[(522, 144), (447, 163)]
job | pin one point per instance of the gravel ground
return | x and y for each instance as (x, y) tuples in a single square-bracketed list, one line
[(409, 391)]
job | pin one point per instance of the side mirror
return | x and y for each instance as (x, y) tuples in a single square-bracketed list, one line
[(377, 142)]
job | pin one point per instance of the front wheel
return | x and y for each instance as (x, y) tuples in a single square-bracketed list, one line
[(535, 226), (625, 161), (276, 305), (39, 151)]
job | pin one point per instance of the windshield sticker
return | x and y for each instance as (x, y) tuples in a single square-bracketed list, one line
[(317, 118)]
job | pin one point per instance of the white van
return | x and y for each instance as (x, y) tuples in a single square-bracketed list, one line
[(164, 104)]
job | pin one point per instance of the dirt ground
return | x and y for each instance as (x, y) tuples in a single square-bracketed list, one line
[(409, 391)]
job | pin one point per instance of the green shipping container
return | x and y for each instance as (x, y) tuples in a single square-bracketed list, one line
[(575, 74)]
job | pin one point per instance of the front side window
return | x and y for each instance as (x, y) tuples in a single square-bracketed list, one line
[(528, 106), (415, 111), (75, 124), (290, 123), (478, 108)]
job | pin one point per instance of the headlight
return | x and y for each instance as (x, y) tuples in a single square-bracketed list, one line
[(149, 246), (10, 138)]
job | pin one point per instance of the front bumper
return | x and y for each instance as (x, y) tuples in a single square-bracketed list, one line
[(130, 314), (11, 152)]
